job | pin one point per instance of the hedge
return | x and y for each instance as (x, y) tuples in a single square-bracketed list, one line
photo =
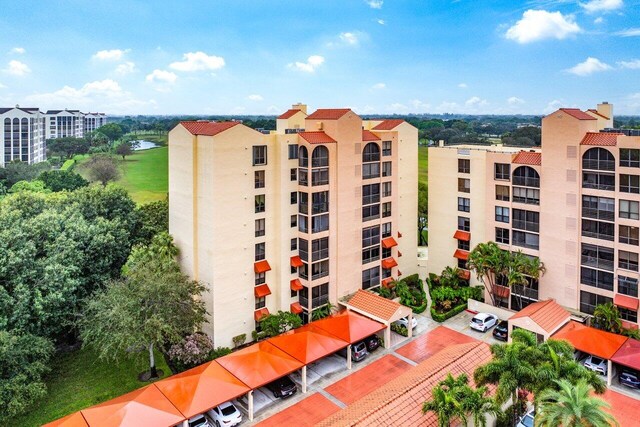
[(399, 329), (449, 314), (68, 165)]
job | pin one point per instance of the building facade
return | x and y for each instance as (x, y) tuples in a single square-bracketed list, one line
[(72, 123), (23, 135), (573, 203), (294, 219)]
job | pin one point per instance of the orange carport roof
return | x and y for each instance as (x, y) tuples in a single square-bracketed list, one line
[(259, 364), (308, 343), (146, 406), (349, 326), (628, 354), (201, 388), (73, 420), (590, 340)]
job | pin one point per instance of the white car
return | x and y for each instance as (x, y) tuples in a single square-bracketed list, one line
[(483, 321), (596, 364), (527, 419), (225, 414), (405, 322), (200, 421)]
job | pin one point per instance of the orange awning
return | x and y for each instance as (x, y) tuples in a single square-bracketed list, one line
[(259, 364), (462, 235), (73, 420), (261, 291), (626, 301), (296, 285), (296, 261), (399, 234), (465, 274), (460, 254), (388, 263), (386, 282), (399, 273), (502, 291), (308, 343), (146, 404), (261, 266), (389, 242), (295, 308), (349, 326), (199, 389), (590, 340), (260, 313)]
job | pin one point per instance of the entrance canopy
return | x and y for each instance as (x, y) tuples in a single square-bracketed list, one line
[(349, 326), (376, 307), (629, 354), (591, 340), (73, 420), (259, 364), (308, 343), (201, 388)]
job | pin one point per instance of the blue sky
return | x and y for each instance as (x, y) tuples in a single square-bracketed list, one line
[(375, 56)]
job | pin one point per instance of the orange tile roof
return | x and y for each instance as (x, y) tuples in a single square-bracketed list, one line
[(577, 113), (289, 113), (296, 285), (389, 242), (260, 313), (601, 139), (549, 315), (261, 266), (399, 402), (388, 124), (590, 340), (628, 354), (295, 308), (389, 263), (328, 113), (316, 137), (528, 158), (460, 254), (208, 128), (374, 304), (261, 291), (296, 261), (367, 135), (591, 110), (625, 301), (465, 236), (72, 420)]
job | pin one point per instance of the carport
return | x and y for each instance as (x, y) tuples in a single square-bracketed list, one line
[(628, 355), (258, 365), (308, 344), (543, 318), (146, 406), (592, 341), (73, 420), (199, 389)]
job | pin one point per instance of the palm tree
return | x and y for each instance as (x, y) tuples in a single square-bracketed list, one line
[(477, 405), (445, 400), (607, 317), (489, 262), (450, 277), (572, 406)]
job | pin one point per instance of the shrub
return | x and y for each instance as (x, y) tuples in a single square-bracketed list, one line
[(219, 352), (239, 340), (193, 350), (441, 317), (259, 336), (400, 329)]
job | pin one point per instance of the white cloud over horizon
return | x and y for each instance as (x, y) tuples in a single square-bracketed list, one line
[(125, 68), (629, 32), (379, 86), (110, 55), (18, 50), (589, 66), (595, 6), (633, 64), (514, 100), (538, 25), (161, 76), (17, 68), (198, 61), (255, 97), (313, 62)]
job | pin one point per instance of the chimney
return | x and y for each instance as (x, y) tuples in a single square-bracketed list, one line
[(300, 106), (606, 110)]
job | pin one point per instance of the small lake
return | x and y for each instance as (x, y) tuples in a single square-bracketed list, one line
[(145, 145)]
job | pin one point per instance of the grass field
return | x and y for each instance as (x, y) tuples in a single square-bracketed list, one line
[(79, 380), (423, 155)]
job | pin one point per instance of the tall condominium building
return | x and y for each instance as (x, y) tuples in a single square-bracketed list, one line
[(23, 135), (72, 123), (573, 203), (293, 219)]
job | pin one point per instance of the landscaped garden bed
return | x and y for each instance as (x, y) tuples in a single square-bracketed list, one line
[(410, 292), (449, 294)]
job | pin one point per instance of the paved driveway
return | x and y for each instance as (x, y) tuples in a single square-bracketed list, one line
[(307, 412), (460, 323)]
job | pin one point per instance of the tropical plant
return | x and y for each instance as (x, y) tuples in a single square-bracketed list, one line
[(450, 277), (323, 311), (191, 351), (282, 321), (59, 180), (571, 405), (607, 317)]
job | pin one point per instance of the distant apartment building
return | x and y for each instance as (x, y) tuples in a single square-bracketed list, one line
[(72, 123), (574, 203), (23, 135), (294, 219)]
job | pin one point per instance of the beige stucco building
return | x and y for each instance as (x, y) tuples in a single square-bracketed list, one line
[(293, 219), (573, 203)]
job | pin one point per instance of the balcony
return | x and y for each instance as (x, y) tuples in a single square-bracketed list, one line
[(526, 181), (590, 261), (599, 165), (598, 214)]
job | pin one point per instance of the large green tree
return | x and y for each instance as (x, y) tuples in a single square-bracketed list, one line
[(67, 147), (423, 212), (59, 180), (21, 171), (282, 321), (103, 168), (154, 219), (112, 131)]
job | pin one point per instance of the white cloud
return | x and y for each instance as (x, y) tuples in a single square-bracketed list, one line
[(2, 86), (110, 55), (630, 32), (514, 100), (589, 66), (17, 68), (379, 86), (162, 76), (594, 6), (349, 38), (553, 106), (18, 50), (126, 68), (539, 25), (475, 101), (198, 61), (374, 4), (634, 64), (255, 97), (462, 85), (598, 20), (313, 62), (381, 22)]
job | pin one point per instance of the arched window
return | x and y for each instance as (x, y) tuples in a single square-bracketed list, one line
[(598, 159), (371, 153), (303, 157), (320, 157), (526, 176)]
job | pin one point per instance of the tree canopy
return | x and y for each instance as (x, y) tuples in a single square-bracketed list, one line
[(112, 131), (59, 180), (67, 147), (103, 169)]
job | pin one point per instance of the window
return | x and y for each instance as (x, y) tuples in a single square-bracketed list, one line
[(628, 286), (260, 278), (294, 197), (294, 221), (303, 157), (320, 202), (260, 227), (386, 253), (502, 235), (526, 176), (525, 240), (319, 269), (598, 229), (598, 159), (386, 148), (464, 185), (630, 157), (370, 194), (502, 214), (462, 264), (259, 179), (628, 260), (260, 251), (526, 220), (320, 157), (320, 295), (628, 315), (303, 177), (386, 229), (464, 204), (386, 209), (294, 293), (303, 203), (386, 168), (597, 256), (370, 236), (465, 246), (596, 278), (370, 170), (260, 203), (294, 244), (370, 254), (386, 189), (502, 192), (259, 155), (320, 176), (370, 212), (630, 184), (371, 277), (320, 223), (598, 181), (628, 209), (303, 223), (293, 151), (371, 153), (320, 249), (628, 235), (529, 196), (589, 301), (502, 171), (261, 302), (294, 174), (464, 224), (464, 166), (303, 249), (598, 208)]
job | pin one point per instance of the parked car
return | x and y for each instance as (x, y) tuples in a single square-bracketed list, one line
[(501, 331), (200, 421), (225, 414), (483, 321), (358, 351), (629, 378), (372, 342), (596, 364), (282, 387), (527, 419), (405, 322)]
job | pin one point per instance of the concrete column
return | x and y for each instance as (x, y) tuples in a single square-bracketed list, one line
[(304, 379), (609, 373), (410, 328), (250, 396), (349, 356), (185, 423), (387, 337)]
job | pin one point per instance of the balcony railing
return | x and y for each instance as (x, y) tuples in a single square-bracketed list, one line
[(603, 264), (598, 214), (599, 165), (526, 225), (319, 301), (524, 291), (526, 181), (597, 235)]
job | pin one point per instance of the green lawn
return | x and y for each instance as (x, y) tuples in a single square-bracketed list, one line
[(79, 380), (423, 155)]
